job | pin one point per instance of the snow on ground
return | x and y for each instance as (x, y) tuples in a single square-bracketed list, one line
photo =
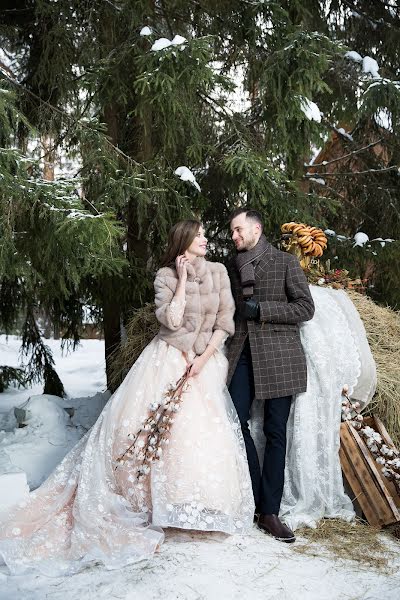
[(204, 566), (50, 432), (189, 566), (82, 372)]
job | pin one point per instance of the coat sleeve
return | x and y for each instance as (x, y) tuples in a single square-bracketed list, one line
[(168, 312), (226, 308), (299, 306)]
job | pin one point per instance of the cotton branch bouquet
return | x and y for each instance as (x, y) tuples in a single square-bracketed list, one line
[(147, 442), (388, 458), (334, 278)]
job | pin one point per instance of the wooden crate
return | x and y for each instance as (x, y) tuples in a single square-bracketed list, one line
[(375, 494)]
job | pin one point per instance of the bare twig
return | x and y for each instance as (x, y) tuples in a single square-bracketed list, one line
[(334, 160), (322, 175)]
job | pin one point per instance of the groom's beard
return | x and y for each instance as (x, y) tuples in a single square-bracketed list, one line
[(248, 244)]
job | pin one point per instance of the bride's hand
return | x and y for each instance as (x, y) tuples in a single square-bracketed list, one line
[(180, 263), (197, 365)]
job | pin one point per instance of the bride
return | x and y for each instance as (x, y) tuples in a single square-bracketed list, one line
[(93, 509)]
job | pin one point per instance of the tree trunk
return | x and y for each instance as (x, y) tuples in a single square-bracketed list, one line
[(115, 117), (111, 303), (49, 157)]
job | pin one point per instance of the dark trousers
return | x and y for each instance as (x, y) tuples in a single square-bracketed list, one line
[(268, 485)]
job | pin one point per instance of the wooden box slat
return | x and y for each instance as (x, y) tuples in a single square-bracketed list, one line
[(358, 491), (375, 494)]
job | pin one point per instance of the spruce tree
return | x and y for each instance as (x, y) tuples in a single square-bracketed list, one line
[(88, 85)]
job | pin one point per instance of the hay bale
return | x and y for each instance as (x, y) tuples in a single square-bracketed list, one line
[(141, 329), (382, 325)]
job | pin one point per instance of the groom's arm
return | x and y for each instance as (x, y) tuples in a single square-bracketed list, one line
[(299, 306)]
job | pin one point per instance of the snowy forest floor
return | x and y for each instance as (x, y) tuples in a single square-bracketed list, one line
[(190, 566)]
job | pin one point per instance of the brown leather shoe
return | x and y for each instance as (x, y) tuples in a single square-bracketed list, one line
[(273, 525)]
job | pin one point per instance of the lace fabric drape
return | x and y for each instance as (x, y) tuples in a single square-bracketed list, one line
[(89, 512), (337, 353)]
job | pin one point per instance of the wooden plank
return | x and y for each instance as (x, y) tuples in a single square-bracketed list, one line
[(379, 478), (357, 490), (372, 500)]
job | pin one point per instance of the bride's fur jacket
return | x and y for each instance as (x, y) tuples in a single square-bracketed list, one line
[(209, 305)]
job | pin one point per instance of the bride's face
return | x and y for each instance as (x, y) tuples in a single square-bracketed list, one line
[(199, 245)]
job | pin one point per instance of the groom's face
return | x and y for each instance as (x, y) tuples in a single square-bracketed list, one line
[(245, 232)]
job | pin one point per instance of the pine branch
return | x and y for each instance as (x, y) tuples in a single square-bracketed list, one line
[(345, 199), (357, 10), (63, 113), (339, 133), (76, 122)]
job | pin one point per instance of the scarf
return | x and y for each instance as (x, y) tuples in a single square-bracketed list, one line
[(245, 264)]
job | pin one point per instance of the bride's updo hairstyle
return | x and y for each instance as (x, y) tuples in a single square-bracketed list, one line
[(180, 237)]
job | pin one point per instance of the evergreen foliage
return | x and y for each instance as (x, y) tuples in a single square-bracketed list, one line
[(11, 375), (82, 89)]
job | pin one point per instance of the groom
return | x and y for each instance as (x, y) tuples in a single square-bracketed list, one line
[(266, 358)]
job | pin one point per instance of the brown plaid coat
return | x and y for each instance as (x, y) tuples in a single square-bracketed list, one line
[(281, 288)]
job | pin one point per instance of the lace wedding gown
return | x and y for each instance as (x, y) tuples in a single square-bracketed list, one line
[(337, 353), (88, 511)]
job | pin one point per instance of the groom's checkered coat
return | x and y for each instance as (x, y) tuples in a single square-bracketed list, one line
[(285, 301)]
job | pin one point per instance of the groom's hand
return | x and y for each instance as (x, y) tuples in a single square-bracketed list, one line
[(251, 310)]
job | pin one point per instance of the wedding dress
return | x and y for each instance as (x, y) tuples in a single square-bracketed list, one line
[(337, 354), (90, 510)]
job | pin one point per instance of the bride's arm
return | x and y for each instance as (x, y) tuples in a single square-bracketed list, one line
[(170, 305), (215, 344)]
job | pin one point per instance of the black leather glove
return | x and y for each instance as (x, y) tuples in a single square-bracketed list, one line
[(251, 310)]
